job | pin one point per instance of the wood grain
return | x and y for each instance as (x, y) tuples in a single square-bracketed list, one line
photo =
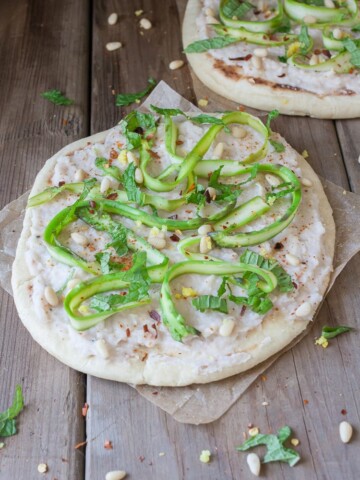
[(40, 49)]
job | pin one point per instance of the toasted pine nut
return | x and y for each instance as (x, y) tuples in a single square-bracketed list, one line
[(205, 229), (112, 19), (111, 46), (51, 297), (79, 239), (303, 310), (254, 463), (175, 64), (139, 177), (260, 52), (145, 24), (218, 150), (345, 431), (227, 327), (79, 175)]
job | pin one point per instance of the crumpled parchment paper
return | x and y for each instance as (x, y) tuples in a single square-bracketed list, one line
[(198, 404)]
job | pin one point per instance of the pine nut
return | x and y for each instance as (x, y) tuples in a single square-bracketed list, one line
[(338, 33), (79, 175), (73, 282), (111, 46), (292, 260), (51, 297), (272, 180), (218, 150), (115, 475), (112, 19), (205, 245), (227, 327), (205, 229), (203, 102), (345, 431), (211, 192), (79, 239), (209, 12), (254, 463), (238, 132), (309, 19), (175, 64), (303, 310), (105, 185), (210, 20), (257, 62), (132, 158), (145, 24), (139, 177), (329, 4), (260, 52), (314, 60), (42, 468), (306, 182), (102, 347), (158, 242)]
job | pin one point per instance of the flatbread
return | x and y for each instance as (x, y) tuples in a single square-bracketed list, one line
[(166, 362), (256, 91)]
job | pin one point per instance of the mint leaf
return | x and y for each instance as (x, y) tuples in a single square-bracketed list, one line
[(331, 332), (135, 126), (224, 284), (279, 147), (201, 46), (305, 40), (353, 47), (210, 302), (119, 243), (276, 452), (356, 28), (283, 278), (133, 192), (283, 59), (171, 112), (275, 194), (106, 265), (236, 8), (225, 193), (125, 99), (7, 418), (56, 97), (104, 165)]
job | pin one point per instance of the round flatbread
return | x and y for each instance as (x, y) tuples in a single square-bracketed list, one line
[(135, 345), (233, 73)]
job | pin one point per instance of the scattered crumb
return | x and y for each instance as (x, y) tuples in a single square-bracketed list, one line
[(322, 341), (42, 468), (141, 458), (253, 431), (138, 12), (265, 404), (343, 411), (203, 102), (85, 409), (108, 445), (295, 442), (263, 378), (2, 445), (305, 154), (344, 192), (205, 456), (81, 444), (306, 402), (188, 292), (161, 454)]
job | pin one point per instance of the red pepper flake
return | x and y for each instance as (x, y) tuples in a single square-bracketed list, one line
[(179, 142), (91, 248), (113, 154), (92, 204), (207, 196), (282, 75), (295, 285), (326, 53), (263, 378), (278, 246), (141, 458), (155, 316), (85, 409), (154, 393), (79, 445), (192, 187), (144, 357), (174, 238), (173, 217), (128, 333), (92, 211), (108, 445), (154, 154), (188, 211), (112, 196), (61, 183), (343, 411), (154, 327), (146, 328), (65, 122), (306, 402), (243, 310), (246, 58)]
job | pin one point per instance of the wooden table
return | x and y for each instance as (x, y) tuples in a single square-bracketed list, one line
[(61, 44)]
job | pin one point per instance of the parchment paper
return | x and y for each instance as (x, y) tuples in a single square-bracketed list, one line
[(198, 404)]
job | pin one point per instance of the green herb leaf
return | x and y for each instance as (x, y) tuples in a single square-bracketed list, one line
[(209, 302), (145, 122), (7, 418), (353, 47), (119, 243), (236, 8), (283, 59), (201, 46), (275, 194), (103, 165), (276, 452), (356, 28), (125, 99), (225, 193), (56, 97), (331, 332), (197, 197), (170, 112), (284, 27), (271, 116), (279, 147), (283, 278), (133, 192), (305, 40), (106, 265), (224, 284)]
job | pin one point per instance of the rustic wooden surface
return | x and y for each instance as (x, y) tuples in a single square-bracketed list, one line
[(61, 45)]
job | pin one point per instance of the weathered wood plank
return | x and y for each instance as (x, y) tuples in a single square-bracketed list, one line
[(43, 45)]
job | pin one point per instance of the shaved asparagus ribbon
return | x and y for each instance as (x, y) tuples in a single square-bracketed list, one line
[(103, 214)]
